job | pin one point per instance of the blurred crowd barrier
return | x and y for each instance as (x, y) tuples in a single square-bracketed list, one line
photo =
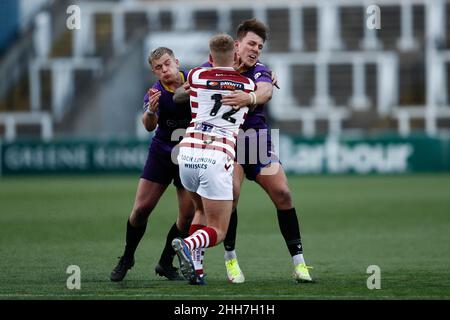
[(389, 154), (341, 74)]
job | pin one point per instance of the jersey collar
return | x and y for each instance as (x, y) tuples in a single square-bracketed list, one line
[(183, 80)]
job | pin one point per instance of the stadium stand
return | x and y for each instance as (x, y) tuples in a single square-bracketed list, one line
[(337, 75)]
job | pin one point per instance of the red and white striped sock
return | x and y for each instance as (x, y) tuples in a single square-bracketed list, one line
[(203, 238), (195, 227)]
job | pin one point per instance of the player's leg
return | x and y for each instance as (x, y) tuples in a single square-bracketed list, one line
[(189, 178), (188, 258), (216, 191), (217, 214), (276, 186), (234, 272), (179, 229), (230, 239), (147, 196), (199, 222)]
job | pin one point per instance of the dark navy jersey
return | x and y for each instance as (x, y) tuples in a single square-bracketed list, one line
[(171, 116)]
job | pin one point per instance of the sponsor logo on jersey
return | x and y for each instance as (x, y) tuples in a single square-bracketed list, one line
[(171, 123), (204, 126), (224, 85), (267, 74), (223, 132), (213, 84), (196, 166), (180, 123)]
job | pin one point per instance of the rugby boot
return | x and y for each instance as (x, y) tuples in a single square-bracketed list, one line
[(121, 269)]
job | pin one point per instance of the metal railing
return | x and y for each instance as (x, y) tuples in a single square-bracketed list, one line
[(11, 120), (330, 51)]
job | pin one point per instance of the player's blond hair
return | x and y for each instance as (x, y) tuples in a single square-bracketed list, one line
[(221, 47), (158, 53)]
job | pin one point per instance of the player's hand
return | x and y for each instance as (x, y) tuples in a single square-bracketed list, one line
[(187, 88), (237, 99), (275, 80), (154, 96), (182, 95)]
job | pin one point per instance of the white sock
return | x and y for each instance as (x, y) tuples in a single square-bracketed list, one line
[(230, 255), (197, 257), (297, 259)]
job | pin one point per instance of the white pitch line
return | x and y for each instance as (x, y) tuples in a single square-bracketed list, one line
[(218, 297)]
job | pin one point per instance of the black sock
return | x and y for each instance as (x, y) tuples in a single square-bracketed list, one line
[(288, 222), (168, 253), (230, 239), (134, 236)]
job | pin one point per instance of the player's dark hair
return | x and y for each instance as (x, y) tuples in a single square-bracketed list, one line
[(158, 53), (252, 25)]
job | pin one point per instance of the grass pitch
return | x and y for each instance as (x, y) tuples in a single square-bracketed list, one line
[(399, 223)]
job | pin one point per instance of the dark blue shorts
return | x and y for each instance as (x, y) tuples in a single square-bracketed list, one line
[(259, 153), (159, 167)]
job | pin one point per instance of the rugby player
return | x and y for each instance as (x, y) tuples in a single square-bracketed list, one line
[(251, 36), (159, 170), (207, 152), (269, 174)]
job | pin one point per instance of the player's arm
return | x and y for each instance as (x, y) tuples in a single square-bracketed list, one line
[(263, 92), (149, 121), (275, 80), (150, 117), (241, 99), (181, 94)]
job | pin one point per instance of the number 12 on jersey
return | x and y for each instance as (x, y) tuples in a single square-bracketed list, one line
[(217, 104)]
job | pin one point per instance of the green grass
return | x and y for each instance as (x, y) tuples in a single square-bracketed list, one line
[(400, 223)]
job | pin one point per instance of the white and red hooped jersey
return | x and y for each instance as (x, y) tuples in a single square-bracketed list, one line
[(210, 117)]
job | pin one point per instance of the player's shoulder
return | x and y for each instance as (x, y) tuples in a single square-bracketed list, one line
[(261, 67), (199, 69), (206, 64), (193, 71), (260, 72), (157, 86), (248, 82)]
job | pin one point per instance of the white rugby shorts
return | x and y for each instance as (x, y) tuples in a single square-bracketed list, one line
[(207, 172)]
